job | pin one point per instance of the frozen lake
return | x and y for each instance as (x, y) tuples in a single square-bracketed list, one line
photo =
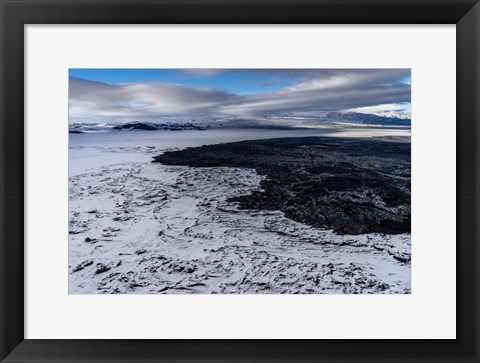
[(99, 149)]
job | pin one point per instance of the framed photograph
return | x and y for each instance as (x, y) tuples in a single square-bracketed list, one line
[(239, 181)]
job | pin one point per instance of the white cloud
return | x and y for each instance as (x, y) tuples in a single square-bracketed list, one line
[(363, 90), (401, 110)]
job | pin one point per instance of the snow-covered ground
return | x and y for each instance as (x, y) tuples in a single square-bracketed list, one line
[(146, 228)]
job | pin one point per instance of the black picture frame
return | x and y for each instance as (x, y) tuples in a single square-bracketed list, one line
[(15, 14)]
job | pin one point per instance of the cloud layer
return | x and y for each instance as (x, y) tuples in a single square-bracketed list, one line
[(317, 92)]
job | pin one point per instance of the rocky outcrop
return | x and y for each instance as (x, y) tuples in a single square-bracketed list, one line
[(351, 186)]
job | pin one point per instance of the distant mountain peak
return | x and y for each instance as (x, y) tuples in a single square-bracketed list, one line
[(367, 118)]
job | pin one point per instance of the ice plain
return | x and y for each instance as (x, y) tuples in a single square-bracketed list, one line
[(146, 228)]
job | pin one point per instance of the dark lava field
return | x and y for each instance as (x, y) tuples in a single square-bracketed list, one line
[(352, 186)]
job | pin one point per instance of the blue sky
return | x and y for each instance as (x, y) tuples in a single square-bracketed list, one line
[(116, 95), (241, 82)]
